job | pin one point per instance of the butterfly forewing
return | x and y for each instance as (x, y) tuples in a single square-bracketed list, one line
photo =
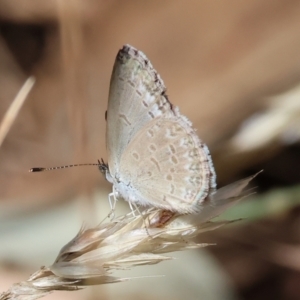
[(137, 95)]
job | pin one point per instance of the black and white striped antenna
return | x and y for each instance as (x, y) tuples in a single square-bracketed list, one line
[(103, 167)]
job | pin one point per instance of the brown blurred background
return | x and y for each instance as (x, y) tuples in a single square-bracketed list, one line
[(233, 67)]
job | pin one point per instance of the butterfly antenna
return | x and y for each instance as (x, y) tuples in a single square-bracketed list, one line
[(101, 164)]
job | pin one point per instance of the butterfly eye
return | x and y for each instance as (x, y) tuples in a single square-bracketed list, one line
[(103, 167)]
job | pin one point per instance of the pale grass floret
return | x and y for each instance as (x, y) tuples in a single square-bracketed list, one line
[(92, 256), (13, 110)]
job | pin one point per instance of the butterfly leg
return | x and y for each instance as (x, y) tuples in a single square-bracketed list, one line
[(131, 205), (132, 208), (112, 199)]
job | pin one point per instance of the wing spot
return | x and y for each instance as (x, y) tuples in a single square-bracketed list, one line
[(131, 83), (195, 180), (156, 127), (170, 133), (150, 133), (174, 159), (190, 194), (152, 148), (145, 103), (194, 167), (139, 93), (187, 142), (169, 177), (123, 117), (177, 128), (193, 153), (136, 156), (155, 162), (172, 189), (151, 114), (172, 148)]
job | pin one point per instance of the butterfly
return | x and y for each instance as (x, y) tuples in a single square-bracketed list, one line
[(155, 158)]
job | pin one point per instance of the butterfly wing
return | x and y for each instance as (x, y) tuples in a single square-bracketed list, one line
[(136, 96), (167, 166), (154, 155)]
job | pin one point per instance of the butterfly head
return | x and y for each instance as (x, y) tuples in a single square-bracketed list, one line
[(103, 167)]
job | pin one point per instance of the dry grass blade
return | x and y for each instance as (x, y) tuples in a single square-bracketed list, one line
[(128, 241), (14, 108)]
